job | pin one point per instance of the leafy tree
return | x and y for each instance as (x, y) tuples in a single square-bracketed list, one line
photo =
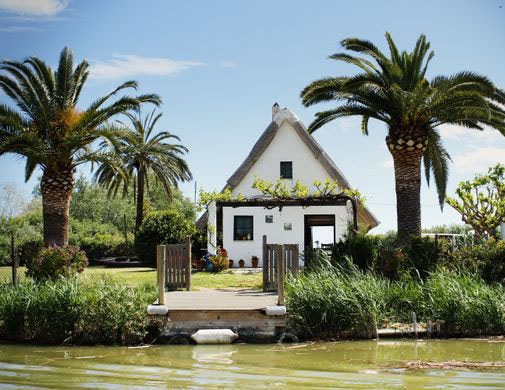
[(394, 90), (139, 153), (49, 131), (481, 201), (90, 201)]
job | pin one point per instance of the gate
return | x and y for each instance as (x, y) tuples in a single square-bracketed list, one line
[(277, 257), (173, 265)]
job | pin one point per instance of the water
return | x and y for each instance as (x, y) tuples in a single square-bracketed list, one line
[(356, 364)]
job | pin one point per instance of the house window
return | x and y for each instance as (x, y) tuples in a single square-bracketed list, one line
[(286, 169), (243, 228)]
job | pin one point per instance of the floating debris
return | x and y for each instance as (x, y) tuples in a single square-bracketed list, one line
[(449, 365)]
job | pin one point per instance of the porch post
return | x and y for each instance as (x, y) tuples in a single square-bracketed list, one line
[(212, 228)]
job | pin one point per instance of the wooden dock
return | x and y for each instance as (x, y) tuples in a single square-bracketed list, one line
[(242, 310)]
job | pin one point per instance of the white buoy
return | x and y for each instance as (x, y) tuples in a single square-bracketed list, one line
[(159, 310), (275, 311), (214, 336)]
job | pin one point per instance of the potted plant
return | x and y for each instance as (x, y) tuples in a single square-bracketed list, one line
[(254, 261), (241, 263)]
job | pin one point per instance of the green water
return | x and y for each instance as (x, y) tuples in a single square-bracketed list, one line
[(356, 364)]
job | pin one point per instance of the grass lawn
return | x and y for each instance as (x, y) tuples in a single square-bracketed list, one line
[(138, 276)]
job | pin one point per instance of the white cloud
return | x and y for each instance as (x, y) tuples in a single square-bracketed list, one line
[(228, 64), (15, 29), (34, 7), (126, 65), (470, 136), (479, 160)]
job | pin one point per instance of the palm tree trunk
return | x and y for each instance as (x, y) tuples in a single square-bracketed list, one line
[(56, 188), (407, 152), (140, 199)]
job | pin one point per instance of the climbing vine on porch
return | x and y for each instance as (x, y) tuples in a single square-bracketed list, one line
[(280, 190)]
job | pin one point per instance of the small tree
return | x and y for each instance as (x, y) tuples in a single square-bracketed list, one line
[(481, 201)]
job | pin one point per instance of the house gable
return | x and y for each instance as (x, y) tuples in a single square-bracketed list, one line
[(287, 139)]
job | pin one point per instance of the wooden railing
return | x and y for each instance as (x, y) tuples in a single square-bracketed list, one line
[(278, 259), (173, 265)]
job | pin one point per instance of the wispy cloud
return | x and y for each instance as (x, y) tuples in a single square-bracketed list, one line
[(42, 8), (228, 64), (469, 136), (479, 159), (126, 65), (16, 29)]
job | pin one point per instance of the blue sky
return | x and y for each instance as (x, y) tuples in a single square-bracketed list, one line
[(219, 66)]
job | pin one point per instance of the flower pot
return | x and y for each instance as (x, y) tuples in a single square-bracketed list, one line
[(231, 263), (254, 261), (241, 263)]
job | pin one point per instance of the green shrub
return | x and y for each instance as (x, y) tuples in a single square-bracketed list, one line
[(390, 260), (68, 310), (161, 227), (424, 255), (28, 251), (360, 247), (486, 260), (219, 262), (465, 303), (102, 245), (55, 262)]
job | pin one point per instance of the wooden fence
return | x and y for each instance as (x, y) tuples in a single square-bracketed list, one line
[(173, 264), (277, 260)]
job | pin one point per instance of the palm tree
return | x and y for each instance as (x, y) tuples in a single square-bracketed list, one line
[(50, 132), (394, 89), (140, 153)]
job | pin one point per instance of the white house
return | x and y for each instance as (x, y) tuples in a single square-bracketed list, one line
[(285, 150)]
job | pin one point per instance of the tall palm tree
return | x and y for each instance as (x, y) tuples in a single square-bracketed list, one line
[(50, 132), (139, 153), (394, 89)]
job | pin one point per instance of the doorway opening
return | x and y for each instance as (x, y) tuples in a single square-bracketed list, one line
[(319, 231)]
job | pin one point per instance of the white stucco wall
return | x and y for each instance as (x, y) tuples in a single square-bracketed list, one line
[(285, 146), (275, 231)]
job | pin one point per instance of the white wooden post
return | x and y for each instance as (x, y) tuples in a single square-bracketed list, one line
[(211, 228), (502, 228)]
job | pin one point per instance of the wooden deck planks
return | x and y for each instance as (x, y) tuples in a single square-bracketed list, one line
[(219, 300)]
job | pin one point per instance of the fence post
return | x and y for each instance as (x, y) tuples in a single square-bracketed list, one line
[(160, 267), (188, 263), (281, 273), (265, 263), (14, 259)]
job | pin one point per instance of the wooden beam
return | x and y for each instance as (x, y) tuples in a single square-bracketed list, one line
[(188, 263), (271, 203), (160, 268), (264, 263), (281, 273)]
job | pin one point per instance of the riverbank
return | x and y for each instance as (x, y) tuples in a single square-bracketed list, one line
[(344, 302)]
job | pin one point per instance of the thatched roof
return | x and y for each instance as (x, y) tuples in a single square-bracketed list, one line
[(365, 216)]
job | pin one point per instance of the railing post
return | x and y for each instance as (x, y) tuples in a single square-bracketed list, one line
[(265, 264), (188, 263), (161, 268), (281, 273)]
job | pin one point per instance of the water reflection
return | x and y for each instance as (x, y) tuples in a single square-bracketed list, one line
[(358, 364)]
